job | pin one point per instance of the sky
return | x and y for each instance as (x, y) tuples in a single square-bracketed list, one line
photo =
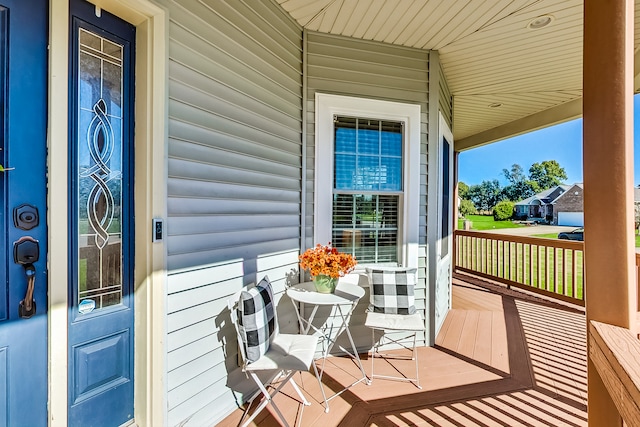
[(562, 143)]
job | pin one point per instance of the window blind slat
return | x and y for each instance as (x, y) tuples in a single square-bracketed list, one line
[(366, 226)]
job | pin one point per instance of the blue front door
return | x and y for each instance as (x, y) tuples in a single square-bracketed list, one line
[(23, 232), (101, 217)]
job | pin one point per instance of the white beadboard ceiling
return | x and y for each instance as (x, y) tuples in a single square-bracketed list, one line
[(488, 54)]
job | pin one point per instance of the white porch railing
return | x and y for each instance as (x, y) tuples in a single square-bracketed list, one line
[(547, 266)]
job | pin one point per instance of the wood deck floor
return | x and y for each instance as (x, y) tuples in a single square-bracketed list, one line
[(501, 359)]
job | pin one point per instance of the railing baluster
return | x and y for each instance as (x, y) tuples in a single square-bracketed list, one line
[(538, 269), (484, 255), (555, 270), (494, 257), (516, 262), (475, 253), (530, 264), (523, 264), (487, 268), (490, 243), (546, 268), (565, 270), (510, 245), (574, 274), (505, 259), (505, 256), (463, 240), (498, 259), (479, 254), (509, 260), (474, 261)]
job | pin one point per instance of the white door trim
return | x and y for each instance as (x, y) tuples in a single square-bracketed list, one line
[(446, 261)]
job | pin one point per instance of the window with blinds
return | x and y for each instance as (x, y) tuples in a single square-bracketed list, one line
[(367, 188)]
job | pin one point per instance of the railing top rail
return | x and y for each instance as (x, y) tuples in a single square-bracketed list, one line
[(541, 241), (615, 353)]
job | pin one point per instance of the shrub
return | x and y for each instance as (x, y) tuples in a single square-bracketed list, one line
[(503, 210), (467, 208)]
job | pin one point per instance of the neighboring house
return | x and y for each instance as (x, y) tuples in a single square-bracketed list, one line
[(539, 206), (568, 208)]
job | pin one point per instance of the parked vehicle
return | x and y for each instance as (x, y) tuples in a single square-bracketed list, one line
[(577, 234)]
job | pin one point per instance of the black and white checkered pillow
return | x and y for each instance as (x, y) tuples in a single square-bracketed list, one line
[(257, 319), (392, 290)]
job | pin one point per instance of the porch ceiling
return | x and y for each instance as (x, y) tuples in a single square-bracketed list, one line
[(488, 53)]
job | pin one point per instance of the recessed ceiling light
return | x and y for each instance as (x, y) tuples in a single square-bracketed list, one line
[(495, 104), (540, 22)]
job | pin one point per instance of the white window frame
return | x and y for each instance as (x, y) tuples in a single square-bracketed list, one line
[(328, 106)]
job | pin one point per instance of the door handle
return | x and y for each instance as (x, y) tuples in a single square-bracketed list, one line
[(26, 251)]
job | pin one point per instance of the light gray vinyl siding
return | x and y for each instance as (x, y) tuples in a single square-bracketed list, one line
[(351, 67), (234, 185), (445, 99)]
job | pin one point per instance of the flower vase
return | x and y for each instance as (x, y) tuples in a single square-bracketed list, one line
[(325, 284)]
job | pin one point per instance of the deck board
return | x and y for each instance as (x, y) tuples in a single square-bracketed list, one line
[(501, 359)]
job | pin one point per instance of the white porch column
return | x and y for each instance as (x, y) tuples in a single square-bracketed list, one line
[(608, 179)]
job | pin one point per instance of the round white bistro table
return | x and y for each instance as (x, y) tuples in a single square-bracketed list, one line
[(304, 295)]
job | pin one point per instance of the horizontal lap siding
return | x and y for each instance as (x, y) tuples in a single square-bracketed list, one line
[(445, 98), (359, 68), (235, 120)]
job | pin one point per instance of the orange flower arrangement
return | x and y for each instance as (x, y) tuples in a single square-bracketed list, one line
[(327, 260)]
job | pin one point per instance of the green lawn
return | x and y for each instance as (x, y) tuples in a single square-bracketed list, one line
[(546, 235), (485, 222)]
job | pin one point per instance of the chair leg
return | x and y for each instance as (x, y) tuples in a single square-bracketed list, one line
[(297, 389), (268, 398), (324, 396), (415, 357), (375, 351)]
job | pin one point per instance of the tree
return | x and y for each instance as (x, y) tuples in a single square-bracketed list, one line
[(547, 174), (503, 210), (467, 207), (515, 175), (519, 186), (485, 195), (463, 190)]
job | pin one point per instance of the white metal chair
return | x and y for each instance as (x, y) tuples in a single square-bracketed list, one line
[(392, 311), (263, 348)]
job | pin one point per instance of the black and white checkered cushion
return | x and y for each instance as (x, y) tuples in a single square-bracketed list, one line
[(392, 290), (257, 319)]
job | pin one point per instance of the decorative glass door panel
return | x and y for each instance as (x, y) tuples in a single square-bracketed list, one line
[(101, 126), (99, 172)]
